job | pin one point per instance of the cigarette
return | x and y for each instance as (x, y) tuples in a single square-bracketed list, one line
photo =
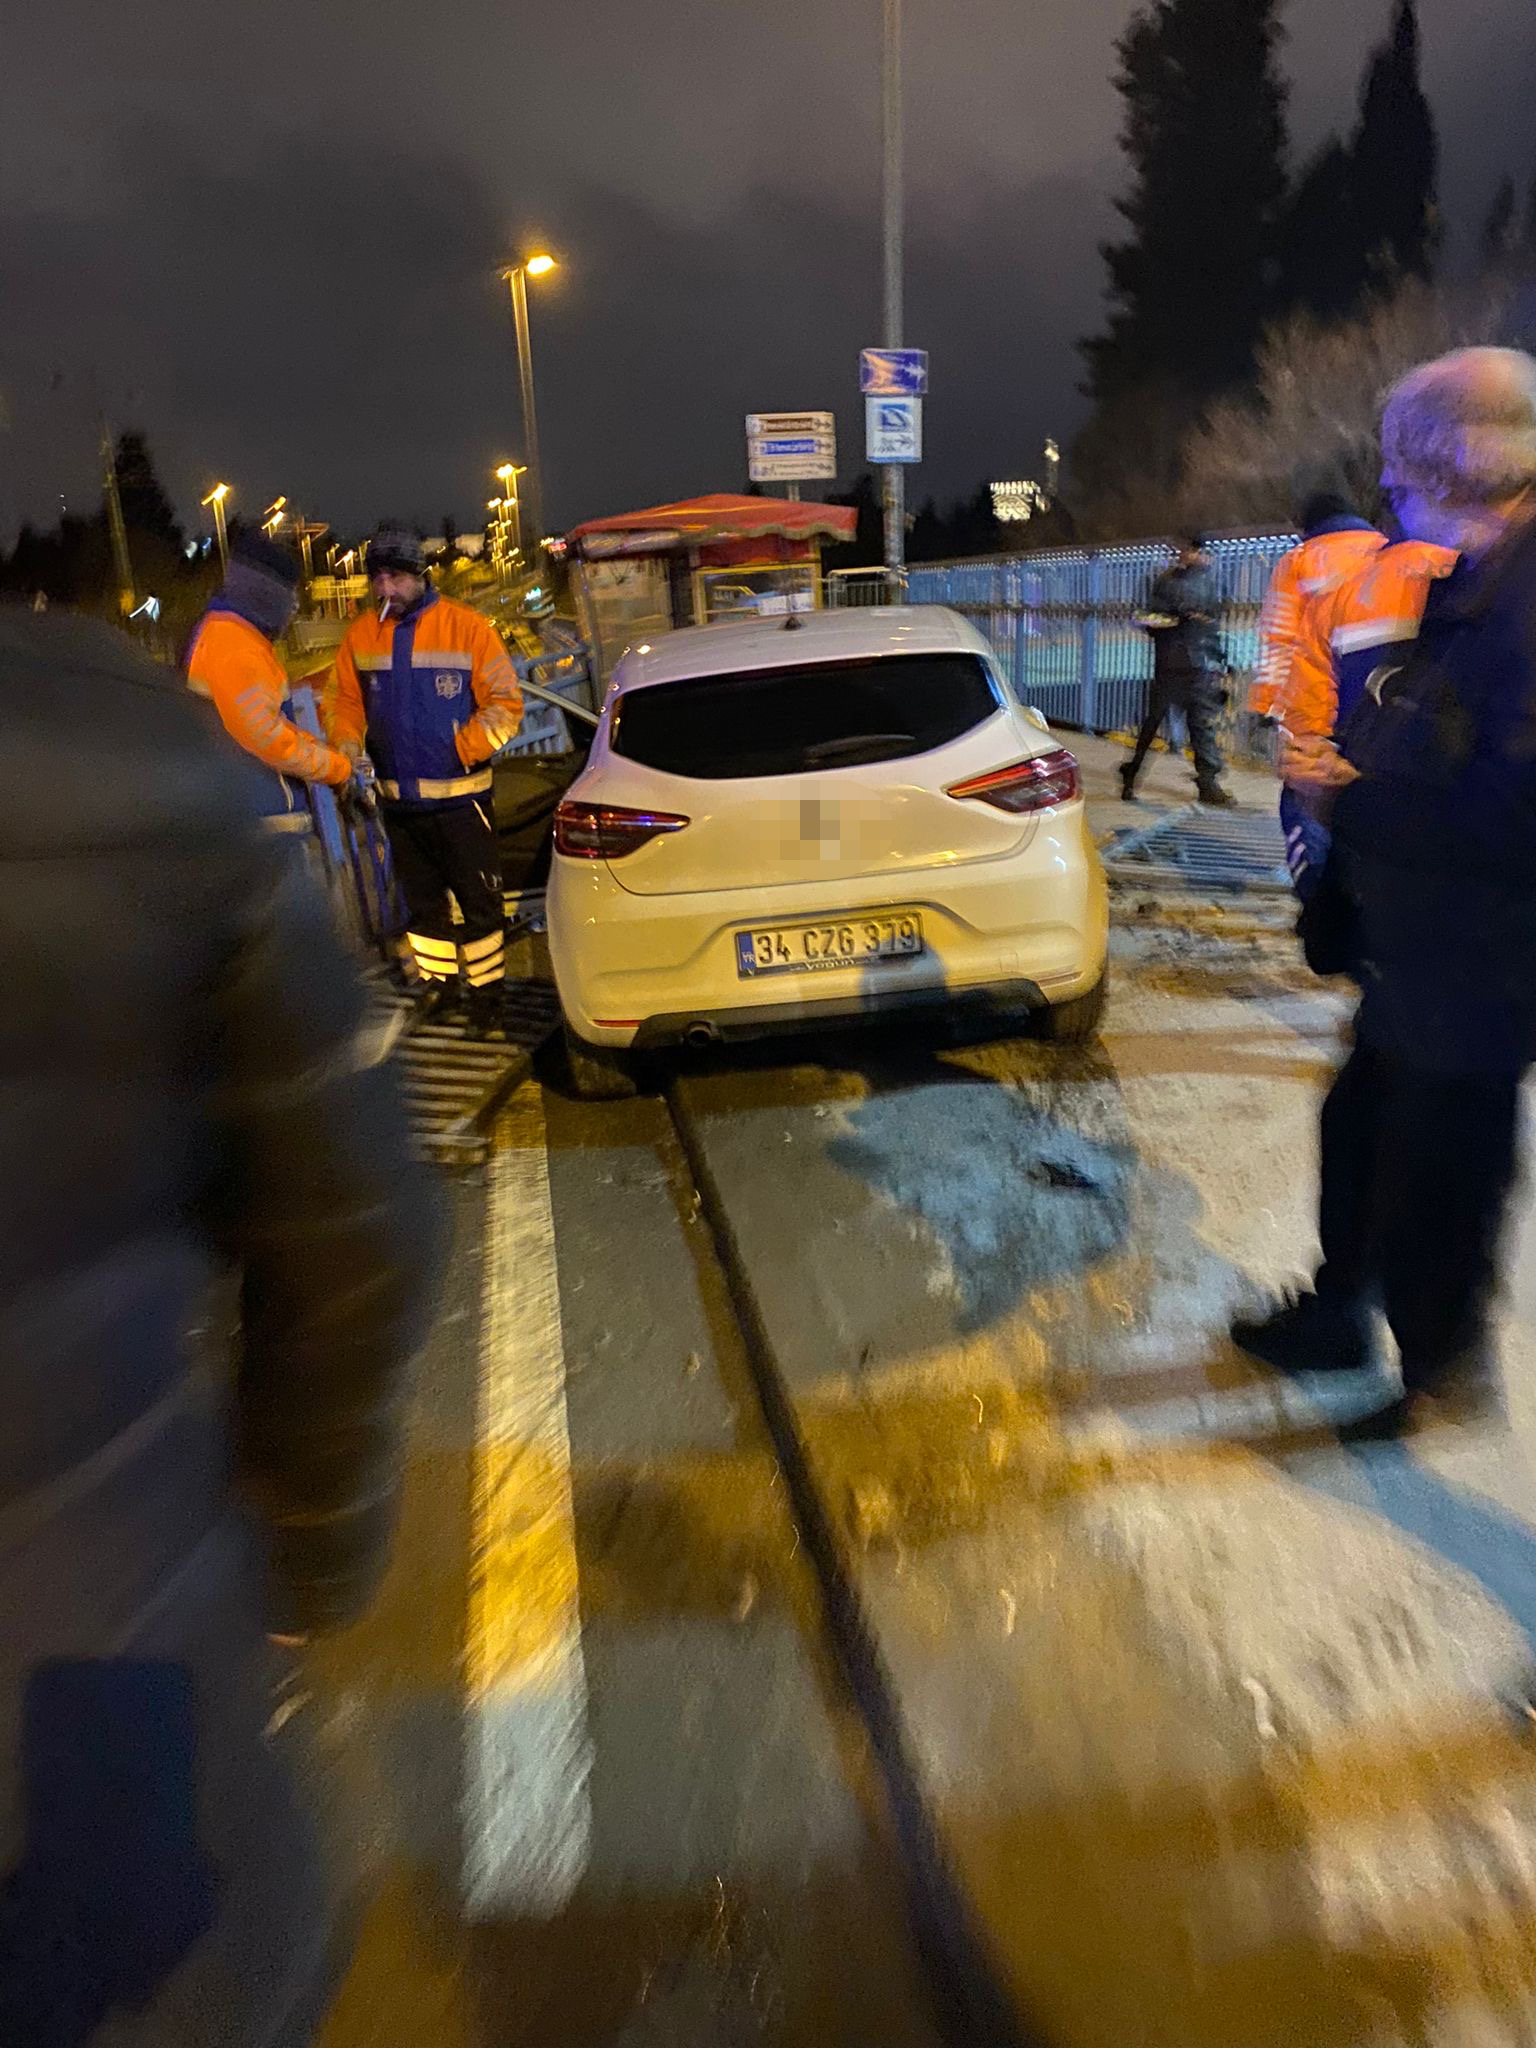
[(383, 609)]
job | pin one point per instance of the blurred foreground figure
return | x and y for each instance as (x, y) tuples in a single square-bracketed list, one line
[(1428, 898), (1189, 665), (185, 1110), (1335, 543)]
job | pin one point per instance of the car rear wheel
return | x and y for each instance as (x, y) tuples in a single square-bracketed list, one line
[(1070, 1023), (598, 1073)]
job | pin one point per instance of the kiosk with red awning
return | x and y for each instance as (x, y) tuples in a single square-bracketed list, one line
[(696, 562)]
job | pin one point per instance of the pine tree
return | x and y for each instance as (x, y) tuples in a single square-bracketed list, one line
[(1204, 133), (146, 508), (1498, 237), (1395, 157)]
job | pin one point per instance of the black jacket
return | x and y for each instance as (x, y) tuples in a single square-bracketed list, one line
[(1190, 649), (187, 1121), (1437, 840)]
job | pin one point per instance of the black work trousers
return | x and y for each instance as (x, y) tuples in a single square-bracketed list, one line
[(1416, 1173), (1200, 702), (448, 852)]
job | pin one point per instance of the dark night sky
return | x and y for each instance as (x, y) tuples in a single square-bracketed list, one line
[(272, 228)]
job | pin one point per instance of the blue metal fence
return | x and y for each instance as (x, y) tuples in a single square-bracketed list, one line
[(1062, 621)]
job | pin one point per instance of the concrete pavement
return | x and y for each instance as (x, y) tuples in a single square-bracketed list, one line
[(1220, 1726)]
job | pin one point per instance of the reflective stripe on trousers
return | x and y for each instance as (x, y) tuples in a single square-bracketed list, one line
[(485, 960), (436, 959)]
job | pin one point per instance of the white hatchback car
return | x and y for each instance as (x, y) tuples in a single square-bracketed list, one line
[(815, 818)]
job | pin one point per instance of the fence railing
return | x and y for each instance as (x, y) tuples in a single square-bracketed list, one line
[(1062, 622)]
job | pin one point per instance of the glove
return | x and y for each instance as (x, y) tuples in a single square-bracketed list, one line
[(360, 794)]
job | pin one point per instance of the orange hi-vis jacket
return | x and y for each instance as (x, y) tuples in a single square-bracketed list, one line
[(432, 695), (235, 664), (1301, 577), (1348, 632)]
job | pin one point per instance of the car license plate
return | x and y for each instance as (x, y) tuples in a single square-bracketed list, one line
[(820, 948)]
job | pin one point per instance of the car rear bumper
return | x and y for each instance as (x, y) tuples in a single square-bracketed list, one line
[(1003, 936), (1002, 1000)]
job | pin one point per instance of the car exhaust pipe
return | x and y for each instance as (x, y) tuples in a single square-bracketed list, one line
[(701, 1034)]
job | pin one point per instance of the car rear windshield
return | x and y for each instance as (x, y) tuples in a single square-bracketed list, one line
[(786, 721)]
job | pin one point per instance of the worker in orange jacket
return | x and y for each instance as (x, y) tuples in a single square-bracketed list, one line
[(1346, 635), (1335, 542), (232, 659), (426, 686)]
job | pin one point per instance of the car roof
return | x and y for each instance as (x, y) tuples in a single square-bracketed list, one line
[(857, 633)]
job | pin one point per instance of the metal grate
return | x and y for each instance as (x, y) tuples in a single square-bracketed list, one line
[(453, 1083), (1200, 849)]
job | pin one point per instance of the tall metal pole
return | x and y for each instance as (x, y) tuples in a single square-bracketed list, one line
[(894, 479), (518, 279), (115, 527)]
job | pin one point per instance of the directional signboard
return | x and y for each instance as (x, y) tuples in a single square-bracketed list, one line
[(893, 429), (893, 372), (791, 447)]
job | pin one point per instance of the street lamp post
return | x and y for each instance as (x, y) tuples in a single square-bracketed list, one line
[(216, 498), (509, 473), (115, 526), (517, 277), (894, 481)]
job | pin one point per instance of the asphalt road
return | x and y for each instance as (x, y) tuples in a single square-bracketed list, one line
[(850, 1592)]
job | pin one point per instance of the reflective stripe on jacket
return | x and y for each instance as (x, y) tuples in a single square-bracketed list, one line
[(1303, 576), (432, 695), (235, 664), (1347, 633)]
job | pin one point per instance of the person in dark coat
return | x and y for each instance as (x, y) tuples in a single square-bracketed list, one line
[(192, 1136), (1431, 795), (1189, 670)]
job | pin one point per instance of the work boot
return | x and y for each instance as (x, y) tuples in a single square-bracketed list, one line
[(1306, 1334), (1216, 797), (439, 998), (1127, 783), (1468, 1394), (485, 1013)]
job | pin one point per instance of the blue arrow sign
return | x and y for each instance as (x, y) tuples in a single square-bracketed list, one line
[(893, 372)]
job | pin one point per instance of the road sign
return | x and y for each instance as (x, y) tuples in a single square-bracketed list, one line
[(791, 447), (893, 429), (893, 372)]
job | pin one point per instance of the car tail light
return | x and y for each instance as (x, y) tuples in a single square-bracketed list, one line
[(608, 831), (1033, 785)]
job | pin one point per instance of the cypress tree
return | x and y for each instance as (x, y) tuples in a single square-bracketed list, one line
[(1204, 134), (1395, 157)]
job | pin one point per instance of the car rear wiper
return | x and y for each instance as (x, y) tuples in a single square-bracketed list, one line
[(863, 746)]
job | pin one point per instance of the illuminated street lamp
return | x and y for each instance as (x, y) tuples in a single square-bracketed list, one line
[(274, 515), (216, 498), (509, 473), (517, 277)]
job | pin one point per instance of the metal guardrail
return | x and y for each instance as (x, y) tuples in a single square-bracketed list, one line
[(1062, 623)]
